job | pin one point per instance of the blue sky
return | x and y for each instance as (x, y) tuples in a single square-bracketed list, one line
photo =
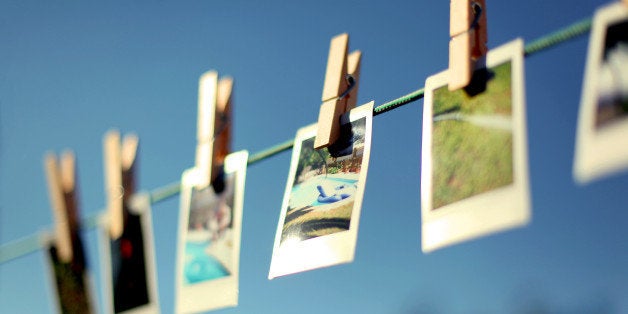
[(70, 71)]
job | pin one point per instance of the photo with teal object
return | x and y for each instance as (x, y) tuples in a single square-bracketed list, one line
[(324, 186), (209, 232)]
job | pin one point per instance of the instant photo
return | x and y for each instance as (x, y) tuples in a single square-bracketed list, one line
[(129, 269), (474, 159), (70, 281), (319, 217), (210, 227), (601, 148)]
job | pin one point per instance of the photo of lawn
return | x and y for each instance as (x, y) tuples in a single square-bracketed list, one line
[(324, 186), (472, 140)]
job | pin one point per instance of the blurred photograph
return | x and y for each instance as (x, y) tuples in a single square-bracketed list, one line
[(474, 159), (323, 196), (128, 261), (603, 118), (70, 279), (209, 239), (132, 287), (210, 227)]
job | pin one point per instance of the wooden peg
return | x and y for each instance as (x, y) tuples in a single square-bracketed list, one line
[(120, 160), (61, 190), (336, 83), (207, 90), (468, 32), (214, 124), (222, 125)]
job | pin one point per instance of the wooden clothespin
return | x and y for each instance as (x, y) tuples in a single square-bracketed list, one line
[(214, 124), (63, 198), (120, 161), (468, 32), (340, 90)]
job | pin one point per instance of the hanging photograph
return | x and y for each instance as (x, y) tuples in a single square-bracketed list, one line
[(210, 227), (474, 178), (128, 266), (71, 282), (601, 148), (319, 217)]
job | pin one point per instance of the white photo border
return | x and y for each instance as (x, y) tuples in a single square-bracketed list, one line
[(601, 152), (331, 249), (220, 292), (499, 209)]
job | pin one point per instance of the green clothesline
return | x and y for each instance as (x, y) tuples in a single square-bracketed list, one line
[(32, 243)]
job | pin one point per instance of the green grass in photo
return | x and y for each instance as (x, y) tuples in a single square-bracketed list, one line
[(470, 156)]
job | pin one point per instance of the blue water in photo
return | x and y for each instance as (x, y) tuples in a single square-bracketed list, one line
[(200, 266), (306, 193)]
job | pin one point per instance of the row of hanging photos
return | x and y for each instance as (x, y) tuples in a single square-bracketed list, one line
[(468, 189)]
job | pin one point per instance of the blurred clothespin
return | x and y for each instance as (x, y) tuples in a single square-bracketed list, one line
[(468, 32), (63, 198), (120, 161), (340, 89), (214, 125)]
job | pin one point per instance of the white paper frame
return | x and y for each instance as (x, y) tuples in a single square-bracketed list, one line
[(599, 152), (220, 292), (331, 249), (499, 209), (46, 239), (140, 205)]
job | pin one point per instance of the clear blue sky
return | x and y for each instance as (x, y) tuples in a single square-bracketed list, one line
[(69, 71)]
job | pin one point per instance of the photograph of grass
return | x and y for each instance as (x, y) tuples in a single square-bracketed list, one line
[(603, 117), (321, 206), (472, 139), (474, 168), (210, 229)]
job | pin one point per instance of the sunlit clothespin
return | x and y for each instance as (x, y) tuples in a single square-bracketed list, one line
[(340, 89), (467, 29), (214, 125), (120, 160), (63, 198)]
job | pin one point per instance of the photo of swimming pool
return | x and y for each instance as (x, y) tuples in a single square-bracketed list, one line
[(208, 242), (320, 212), (199, 266), (309, 193), (324, 186)]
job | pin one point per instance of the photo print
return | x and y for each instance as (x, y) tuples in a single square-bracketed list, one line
[(71, 282), (130, 275), (603, 118), (474, 178), (210, 228), (320, 213)]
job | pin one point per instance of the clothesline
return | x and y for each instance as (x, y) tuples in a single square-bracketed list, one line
[(32, 242)]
